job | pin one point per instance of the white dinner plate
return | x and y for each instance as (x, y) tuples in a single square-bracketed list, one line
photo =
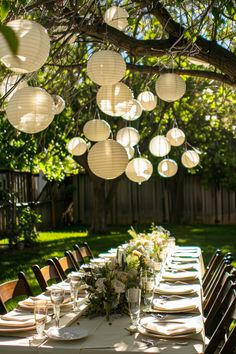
[(20, 329), (67, 333), (143, 331), (29, 306)]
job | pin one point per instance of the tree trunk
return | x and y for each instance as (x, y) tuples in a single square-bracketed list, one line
[(99, 214)]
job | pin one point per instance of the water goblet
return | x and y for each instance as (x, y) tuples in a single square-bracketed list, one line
[(133, 296), (40, 317), (57, 295)]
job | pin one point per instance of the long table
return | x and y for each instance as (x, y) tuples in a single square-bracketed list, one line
[(109, 337)]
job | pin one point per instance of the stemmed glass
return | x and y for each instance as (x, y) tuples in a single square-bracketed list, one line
[(148, 284), (133, 296), (57, 295), (40, 317), (75, 283)]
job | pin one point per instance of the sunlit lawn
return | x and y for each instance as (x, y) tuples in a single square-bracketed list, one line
[(54, 243)]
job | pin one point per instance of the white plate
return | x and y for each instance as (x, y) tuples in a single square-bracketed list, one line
[(20, 329), (30, 307), (67, 333)]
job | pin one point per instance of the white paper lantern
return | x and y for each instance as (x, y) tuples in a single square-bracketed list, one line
[(107, 159), (115, 100), (33, 50), (116, 17), (190, 158), (135, 111), (167, 168), (106, 67), (30, 110), (130, 151), (175, 136), (170, 87), (128, 136), (159, 146), (139, 170), (8, 84), (77, 146), (59, 104), (148, 100), (97, 130)]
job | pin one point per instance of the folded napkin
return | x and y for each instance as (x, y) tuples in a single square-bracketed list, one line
[(170, 328), (182, 276), (174, 289), (15, 322), (31, 301), (184, 266), (174, 305)]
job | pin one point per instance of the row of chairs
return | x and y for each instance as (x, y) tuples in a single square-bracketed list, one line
[(55, 271)]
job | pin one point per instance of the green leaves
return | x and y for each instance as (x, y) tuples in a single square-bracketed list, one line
[(10, 37), (4, 9)]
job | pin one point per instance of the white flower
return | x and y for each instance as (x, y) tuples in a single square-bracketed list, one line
[(118, 286)]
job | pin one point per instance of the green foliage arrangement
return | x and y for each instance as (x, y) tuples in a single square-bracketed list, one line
[(26, 228)]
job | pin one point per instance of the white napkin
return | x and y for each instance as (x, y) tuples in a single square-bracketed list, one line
[(174, 305), (170, 328), (14, 319), (180, 276), (180, 267), (174, 289)]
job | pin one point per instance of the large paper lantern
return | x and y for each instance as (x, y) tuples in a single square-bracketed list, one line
[(190, 158), (116, 17), (128, 136), (77, 146), (130, 151), (107, 159), (148, 100), (159, 146), (135, 111), (33, 50), (9, 83), (30, 110), (59, 104), (139, 170), (97, 130), (115, 100), (175, 136), (106, 67), (170, 87), (167, 168)]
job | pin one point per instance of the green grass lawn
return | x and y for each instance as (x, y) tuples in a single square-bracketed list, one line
[(54, 243)]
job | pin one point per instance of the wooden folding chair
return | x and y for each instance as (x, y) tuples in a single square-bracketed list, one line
[(63, 265), (76, 258), (46, 274), (85, 251), (211, 268), (13, 289)]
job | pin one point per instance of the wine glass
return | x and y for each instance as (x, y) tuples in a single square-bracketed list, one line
[(40, 317), (57, 295), (148, 284), (133, 296), (75, 283)]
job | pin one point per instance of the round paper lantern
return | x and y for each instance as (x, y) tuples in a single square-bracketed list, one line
[(139, 170), (148, 100), (167, 168), (116, 17), (175, 136), (115, 100), (107, 159), (159, 146), (135, 111), (97, 130), (8, 84), (30, 110), (33, 50), (170, 87), (190, 159), (106, 67), (128, 136), (130, 151), (59, 104), (77, 146)]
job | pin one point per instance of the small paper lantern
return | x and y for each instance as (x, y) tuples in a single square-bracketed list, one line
[(170, 87), (130, 151), (107, 159), (148, 100), (30, 110), (115, 100), (135, 111), (190, 159), (77, 146), (59, 104), (139, 170), (159, 146), (33, 50), (106, 67), (128, 136), (167, 168), (116, 17), (97, 130), (175, 136), (8, 84)]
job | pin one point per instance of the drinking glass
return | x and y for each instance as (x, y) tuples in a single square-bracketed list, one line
[(133, 296), (57, 297), (148, 283), (74, 288), (40, 317)]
